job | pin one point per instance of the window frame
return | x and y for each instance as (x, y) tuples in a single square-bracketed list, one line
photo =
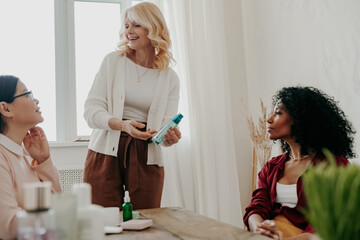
[(65, 69)]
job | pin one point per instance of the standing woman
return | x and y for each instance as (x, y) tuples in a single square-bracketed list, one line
[(134, 93), (19, 115), (305, 120)]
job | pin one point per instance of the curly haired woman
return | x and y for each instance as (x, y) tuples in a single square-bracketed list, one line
[(134, 93), (305, 120)]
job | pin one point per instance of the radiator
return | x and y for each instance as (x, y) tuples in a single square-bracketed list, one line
[(70, 176)]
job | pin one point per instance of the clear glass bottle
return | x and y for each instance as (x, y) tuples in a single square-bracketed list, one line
[(127, 207), (37, 220), (160, 136)]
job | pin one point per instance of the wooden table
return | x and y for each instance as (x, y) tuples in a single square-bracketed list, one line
[(178, 223)]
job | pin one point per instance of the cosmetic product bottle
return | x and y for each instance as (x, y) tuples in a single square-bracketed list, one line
[(127, 207), (90, 216), (160, 136), (37, 219), (65, 208)]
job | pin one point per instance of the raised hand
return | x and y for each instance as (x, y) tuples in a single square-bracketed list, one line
[(36, 144)]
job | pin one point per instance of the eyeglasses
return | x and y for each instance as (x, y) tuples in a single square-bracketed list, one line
[(27, 94)]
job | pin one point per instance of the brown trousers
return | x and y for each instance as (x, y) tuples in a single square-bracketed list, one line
[(108, 175)]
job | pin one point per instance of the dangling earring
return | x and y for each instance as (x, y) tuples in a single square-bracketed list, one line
[(157, 50)]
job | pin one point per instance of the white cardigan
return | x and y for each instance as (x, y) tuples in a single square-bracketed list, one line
[(106, 100)]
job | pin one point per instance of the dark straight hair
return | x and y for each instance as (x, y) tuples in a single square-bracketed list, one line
[(8, 85)]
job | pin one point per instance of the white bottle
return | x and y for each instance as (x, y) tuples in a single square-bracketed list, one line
[(90, 216)]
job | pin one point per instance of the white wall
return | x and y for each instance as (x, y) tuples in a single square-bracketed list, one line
[(314, 43), (69, 156)]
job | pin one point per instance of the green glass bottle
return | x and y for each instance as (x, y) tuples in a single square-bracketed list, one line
[(127, 207)]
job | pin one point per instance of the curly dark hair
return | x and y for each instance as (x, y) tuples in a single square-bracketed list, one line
[(318, 122)]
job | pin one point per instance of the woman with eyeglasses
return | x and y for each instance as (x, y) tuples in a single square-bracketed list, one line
[(24, 151)]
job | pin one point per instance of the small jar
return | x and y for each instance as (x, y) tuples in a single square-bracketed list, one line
[(37, 219)]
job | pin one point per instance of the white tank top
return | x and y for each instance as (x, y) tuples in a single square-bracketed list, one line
[(286, 194), (139, 95)]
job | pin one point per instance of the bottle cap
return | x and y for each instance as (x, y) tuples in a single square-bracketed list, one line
[(177, 118), (127, 197), (83, 192), (37, 196)]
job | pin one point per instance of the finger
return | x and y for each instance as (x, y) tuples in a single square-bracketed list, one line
[(265, 232), (166, 143), (142, 135), (34, 131), (173, 137), (269, 224), (171, 134), (137, 124), (27, 136), (34, 163), (177, 132), (268, 227), (168, 139), (41, 131), (151, 131), (26, 139)]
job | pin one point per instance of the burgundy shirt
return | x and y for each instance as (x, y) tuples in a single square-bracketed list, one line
[(263, 198)]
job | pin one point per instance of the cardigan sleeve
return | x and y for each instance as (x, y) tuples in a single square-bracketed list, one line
[(260, 202), (96, 111)]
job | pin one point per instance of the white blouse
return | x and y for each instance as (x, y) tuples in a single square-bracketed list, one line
[(286, 194), (139, 95)]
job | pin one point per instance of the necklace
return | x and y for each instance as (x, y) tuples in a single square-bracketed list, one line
[(298, 158), (137, 72)]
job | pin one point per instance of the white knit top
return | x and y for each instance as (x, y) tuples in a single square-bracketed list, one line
[(139, 95), (286, 194)]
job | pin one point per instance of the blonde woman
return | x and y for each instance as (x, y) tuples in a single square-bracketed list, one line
[(24, 151), (134, 93)]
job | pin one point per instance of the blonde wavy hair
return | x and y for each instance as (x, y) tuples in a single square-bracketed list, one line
[(148, 15)]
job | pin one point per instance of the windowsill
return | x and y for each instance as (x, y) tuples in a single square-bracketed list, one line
[(68, 144)]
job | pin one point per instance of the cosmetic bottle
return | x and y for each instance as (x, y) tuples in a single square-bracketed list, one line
[(65, 207), (160, 136), (37, 219), (90, 216), (127, 207)]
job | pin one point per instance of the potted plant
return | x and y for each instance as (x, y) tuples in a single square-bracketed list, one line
[(333, 198)]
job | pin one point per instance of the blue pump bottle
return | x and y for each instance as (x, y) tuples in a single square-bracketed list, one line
[(160, 136)]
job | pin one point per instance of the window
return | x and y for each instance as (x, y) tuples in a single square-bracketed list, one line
[(27, 51), (94, 38), (57, 54)]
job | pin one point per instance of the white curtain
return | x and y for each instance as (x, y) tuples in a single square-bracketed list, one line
[(309, 43), (231, 50), (201, 171)]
